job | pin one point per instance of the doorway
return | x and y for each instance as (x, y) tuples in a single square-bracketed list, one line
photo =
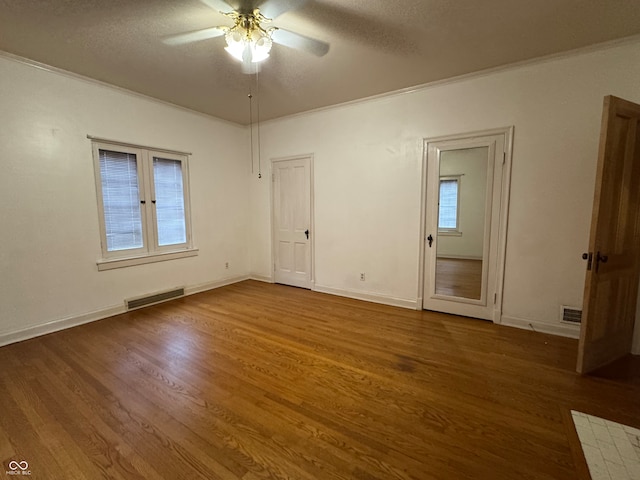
[(292, 233), (465, 204)]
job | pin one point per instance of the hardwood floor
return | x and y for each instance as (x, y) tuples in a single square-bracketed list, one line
[(259, 381), (459, 277)]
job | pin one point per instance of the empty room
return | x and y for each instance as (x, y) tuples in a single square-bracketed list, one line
[(320, 239)]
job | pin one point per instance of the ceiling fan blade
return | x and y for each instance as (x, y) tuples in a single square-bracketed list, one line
[(194, 36), (300, 42), (218, 5), (274, 8)]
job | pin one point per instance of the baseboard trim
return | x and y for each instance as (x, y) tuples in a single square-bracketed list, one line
[(261, 278), (61, 324), (368, 297), (571, 331), (563, 330), (69, 322), (203, 287)]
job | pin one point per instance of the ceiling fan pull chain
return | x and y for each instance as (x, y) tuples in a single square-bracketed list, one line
[(250, 96), (258, 113)]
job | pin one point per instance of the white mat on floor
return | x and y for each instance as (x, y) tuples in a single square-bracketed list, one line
[(612, 450)]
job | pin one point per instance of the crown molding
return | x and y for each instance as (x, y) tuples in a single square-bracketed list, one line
[(76, 76), (470, 76)]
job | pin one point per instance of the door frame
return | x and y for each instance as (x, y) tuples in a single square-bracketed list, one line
[(505, 185), (309, 157)]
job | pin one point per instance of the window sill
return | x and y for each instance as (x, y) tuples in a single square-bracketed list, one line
[(449, 233), (111, 263)]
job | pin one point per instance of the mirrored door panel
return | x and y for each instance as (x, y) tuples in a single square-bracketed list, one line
[(463, 196), (462, 206)]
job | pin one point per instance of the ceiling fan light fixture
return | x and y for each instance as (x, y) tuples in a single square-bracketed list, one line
[(253, 51), (261, 48), (247, 41), (235, 44)]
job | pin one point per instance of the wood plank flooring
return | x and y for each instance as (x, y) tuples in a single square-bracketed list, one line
[(258, 381), (459, 277)]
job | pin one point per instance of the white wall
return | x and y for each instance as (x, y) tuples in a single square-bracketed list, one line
[(49, 236), (368, 167), (471, 165)]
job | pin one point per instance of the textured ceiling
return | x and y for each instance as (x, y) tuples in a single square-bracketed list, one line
[(376, 45)]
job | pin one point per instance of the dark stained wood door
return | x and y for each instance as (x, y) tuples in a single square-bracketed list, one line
[(611, 286)]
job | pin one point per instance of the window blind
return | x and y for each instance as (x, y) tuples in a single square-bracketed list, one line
[(121, 200), (167, 177), (448, 211)]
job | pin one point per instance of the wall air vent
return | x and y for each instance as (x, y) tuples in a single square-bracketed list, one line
[(134, 303), (571, 315)]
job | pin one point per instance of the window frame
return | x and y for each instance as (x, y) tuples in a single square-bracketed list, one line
[(184, 168), (451, 231), (151, 251)]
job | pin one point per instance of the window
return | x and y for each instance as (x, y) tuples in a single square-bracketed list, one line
[(449, 206), (143, 200)]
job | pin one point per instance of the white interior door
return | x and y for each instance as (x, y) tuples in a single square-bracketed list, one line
[(464, 197), (292, 221)]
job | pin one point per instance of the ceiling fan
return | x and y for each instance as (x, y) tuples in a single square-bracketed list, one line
[(250, 38)]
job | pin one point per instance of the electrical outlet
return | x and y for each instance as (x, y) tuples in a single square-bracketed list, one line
[(226, 265), (362, 277)]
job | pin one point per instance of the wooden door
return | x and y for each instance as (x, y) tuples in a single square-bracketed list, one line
[(611, 285), (292, 221), (461, 259)]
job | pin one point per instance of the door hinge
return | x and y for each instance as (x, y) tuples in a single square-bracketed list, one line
[(504, 157), (495, 298), (273, 177), (274, 267)]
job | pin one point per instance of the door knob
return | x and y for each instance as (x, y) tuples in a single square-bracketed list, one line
[(306, 232), (600, 259)]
